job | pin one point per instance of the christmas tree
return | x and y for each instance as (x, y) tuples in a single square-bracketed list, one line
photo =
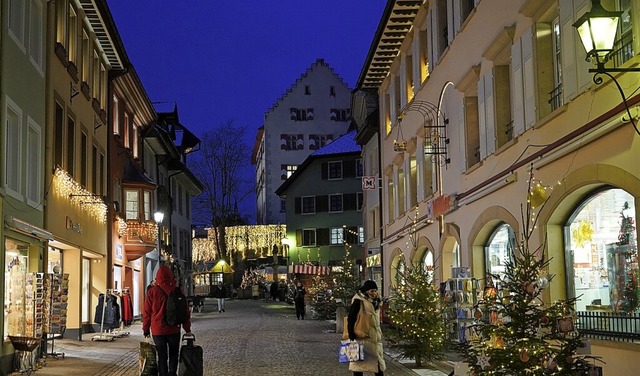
[(626, 289), (346, 280), (416, 313), (322, 300), (518, 333)]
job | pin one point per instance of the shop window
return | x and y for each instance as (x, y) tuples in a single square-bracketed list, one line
[(20, 292), (427, 264), (498, 251), (601, 253)]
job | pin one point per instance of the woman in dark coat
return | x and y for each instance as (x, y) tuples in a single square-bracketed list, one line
[(298, 299), (274, 290)]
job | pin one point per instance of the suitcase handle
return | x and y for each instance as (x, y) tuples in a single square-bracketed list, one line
[(190, 338)]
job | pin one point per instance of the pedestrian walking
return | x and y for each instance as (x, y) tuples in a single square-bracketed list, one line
[(221, 294), (166, 337), (366, 304), (298, 299), (274, 290)]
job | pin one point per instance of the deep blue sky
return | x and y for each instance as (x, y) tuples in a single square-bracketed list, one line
[(226, 60)]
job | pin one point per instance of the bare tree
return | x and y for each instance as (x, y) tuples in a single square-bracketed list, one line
[(221, 166)]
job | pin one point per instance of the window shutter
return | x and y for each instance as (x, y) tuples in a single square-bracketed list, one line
[(482, 119), (490, 113), (352, 235), (298, 238), (325, 170), (528, 77), (298, 208), (568, 50), (349, 168), (322, 204), (322, 236), (517, 88), (349, 201)]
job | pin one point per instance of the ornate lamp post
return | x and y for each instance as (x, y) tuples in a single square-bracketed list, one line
[(158, 217)]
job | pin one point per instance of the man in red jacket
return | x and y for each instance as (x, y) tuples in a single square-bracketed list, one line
[(166, 337)]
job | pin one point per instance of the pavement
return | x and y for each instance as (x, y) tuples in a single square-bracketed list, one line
[(251, 337)]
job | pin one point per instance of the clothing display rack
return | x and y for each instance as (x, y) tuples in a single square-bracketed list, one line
[(111, 327)]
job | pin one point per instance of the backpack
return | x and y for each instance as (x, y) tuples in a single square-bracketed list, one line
[(176, 308)]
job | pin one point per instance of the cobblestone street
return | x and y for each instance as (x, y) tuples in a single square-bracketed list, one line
[(251, 337)]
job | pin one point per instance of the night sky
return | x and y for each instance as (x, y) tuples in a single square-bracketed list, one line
[(223, 60)]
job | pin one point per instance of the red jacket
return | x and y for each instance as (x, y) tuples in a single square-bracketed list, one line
[(154, 306)]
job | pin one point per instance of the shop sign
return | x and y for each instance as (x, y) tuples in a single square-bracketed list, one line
[(118, 251), (74, 226), (373, 261), (369, 182), (439, 206)]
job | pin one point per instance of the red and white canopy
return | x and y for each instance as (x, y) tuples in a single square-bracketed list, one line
[(311, 269)]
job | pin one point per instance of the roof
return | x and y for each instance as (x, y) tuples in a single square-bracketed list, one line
[(394, 26), (342, 146)]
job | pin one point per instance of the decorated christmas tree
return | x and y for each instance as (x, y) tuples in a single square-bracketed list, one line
[(518, 333), (322, 300), (416, 312), (626, 265), (346, 280)]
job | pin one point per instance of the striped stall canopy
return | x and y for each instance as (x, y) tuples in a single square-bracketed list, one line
[(311, 269)]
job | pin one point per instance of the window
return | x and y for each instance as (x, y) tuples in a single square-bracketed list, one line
[(116, 116), (16, 20), (317, 141), (59, 136), (309, 237), (61, 21), (135, 140), (442, 29), (335, 170), (390, 199), (147, 205), (94, 173), (126, 124), (359, 168), (36, 27), (72, 34), (336, 236), (401, 190), (499, 249), (132, 209), (34, 163), (71, 146), (335, 203), (338, 114), (307, 90), (13, 141), (287, 171), (472, 131), (301, 114), (359, 200), (179, 199), (83, 159), (86, 56), (413, 181), (556, 100), (309, 205), (466, 6), (291, 141), (601, 251), (408, 76), (427, 264), (360, 234), (332, 91), (283, 205), (101, 175), (95, 70)]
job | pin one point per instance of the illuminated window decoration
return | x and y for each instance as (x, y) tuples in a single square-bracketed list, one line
[(122, 226), (65, 186)]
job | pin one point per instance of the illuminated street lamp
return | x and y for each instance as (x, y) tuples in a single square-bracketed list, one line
[(158, 217), (597, 29)]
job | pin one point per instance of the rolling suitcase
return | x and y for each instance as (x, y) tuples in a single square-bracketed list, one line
[(191, 363)]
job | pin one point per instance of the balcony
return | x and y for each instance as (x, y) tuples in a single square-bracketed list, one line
[(139, 238)]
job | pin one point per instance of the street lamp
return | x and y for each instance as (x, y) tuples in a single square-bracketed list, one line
[(597, 29), (158, 217)]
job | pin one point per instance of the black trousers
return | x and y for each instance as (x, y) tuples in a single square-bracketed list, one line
[(299, 309), (168, 348), (379, 373)]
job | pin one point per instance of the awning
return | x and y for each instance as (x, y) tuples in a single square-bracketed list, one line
[(311, 269)]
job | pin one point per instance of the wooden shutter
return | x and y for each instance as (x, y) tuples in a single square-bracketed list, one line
[(322, 204), (349, 168), (517, 88), (349, 201), (322, 236), (298, 238), (298, 205), (325, 170)]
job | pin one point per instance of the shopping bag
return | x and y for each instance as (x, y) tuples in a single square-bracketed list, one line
[(350, 351), (147, 364)]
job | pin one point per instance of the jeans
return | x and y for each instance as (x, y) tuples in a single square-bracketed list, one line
[(167, 346), (220, 304)]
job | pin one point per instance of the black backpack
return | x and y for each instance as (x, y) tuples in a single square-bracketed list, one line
[(176, 308)]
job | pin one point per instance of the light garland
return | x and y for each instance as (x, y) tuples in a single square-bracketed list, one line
[(256, 239), (65, 186), (122, 226)]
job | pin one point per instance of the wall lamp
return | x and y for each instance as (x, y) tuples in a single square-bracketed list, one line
[(597, 29)]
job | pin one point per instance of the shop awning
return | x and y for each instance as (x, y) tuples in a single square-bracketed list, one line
[(311, 269)]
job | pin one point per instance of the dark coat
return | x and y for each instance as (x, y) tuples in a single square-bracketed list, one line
[(220, 292), (274, 289)]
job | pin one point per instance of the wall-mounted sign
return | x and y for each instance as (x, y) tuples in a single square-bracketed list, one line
[(369, 182), (73, 226), (439, 206), (118, 251)]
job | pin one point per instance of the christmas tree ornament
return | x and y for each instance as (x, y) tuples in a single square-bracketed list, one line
[(524, 355), (538, 196), (477, 313), (543, 282), (529, 287), (483, 362)]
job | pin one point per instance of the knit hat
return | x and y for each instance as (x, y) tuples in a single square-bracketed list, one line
[(368, 285)]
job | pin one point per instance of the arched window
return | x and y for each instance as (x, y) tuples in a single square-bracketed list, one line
[(499, 249), (397, 270), (427, 264), (601, 252)]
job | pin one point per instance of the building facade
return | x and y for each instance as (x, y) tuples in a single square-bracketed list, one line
[(324, 203), (314, 111), (480, 99)]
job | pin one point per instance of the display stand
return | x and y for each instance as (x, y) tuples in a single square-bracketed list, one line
[(462, 297), (104, 335), (23, 359), (56, 297)]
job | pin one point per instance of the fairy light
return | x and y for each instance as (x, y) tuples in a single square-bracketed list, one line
[(64, 186), (122, 226), (243, 240)]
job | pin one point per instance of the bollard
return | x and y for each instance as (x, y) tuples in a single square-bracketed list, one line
[(340, 314)]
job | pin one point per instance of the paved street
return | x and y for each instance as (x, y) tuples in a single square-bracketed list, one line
[(251, 337)]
